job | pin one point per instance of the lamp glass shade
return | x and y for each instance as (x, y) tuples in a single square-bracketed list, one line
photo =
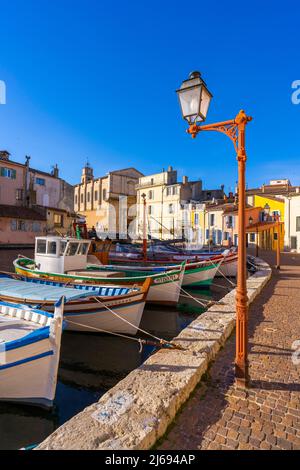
[(194, 99)]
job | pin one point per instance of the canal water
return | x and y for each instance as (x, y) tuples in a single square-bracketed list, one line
[(90, 364)]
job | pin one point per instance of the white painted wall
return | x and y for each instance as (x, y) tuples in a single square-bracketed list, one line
[(292, 211)]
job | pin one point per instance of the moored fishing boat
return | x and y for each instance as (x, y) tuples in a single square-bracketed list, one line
[(66, 260), (29, 353), (87, 308), (162, 254), (196, 274)]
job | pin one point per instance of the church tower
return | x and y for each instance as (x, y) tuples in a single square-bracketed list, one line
[(87, 174)]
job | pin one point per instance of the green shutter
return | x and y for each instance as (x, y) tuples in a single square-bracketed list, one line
[(2, 171), (13, 174)]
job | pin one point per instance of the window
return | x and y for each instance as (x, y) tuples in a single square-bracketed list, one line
[(297, 224), (36, 227), (169, 191), (13, 225), (211, 219), (174, 190), (196, 219), (21, 226), (229, 221), (40, 181), (88, 197), (104, 193), (63, 245), (171, 209), (252, 237), (51, 248), (76, 199), (81, 198), (96, 195), (275, 236), (152, 181), (72, 248), (83, 248), (58, 220), (8, 173), (293, 243), (151, 194), (149, 209), (41, 246), (19, 194)]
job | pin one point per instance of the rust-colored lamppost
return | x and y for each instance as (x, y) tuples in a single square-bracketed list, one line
[(144, 226), (194, 98)]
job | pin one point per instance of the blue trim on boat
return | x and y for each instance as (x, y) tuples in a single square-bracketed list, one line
[(93, 312), (25, 307), (96, 289), (28, 359), (33, 337)]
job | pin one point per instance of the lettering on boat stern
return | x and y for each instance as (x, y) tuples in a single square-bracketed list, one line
[(172, 277), (115, 407)]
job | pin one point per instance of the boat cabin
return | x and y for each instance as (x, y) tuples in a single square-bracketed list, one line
[(59, 255)]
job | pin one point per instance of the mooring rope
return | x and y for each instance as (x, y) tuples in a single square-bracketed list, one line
[(128, 322), (141, 341)]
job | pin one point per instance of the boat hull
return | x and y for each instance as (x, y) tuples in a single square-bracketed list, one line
[(125, 319), (28, 366), (200, 277)]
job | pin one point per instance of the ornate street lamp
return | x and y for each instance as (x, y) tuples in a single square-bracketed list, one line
[(250, 220), (143, 196), (194, 100), (267, 210)]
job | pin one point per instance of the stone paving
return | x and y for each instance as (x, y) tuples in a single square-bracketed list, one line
[(218, 416)]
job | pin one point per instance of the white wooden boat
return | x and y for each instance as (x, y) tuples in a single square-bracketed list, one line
[(29, 353), (87, 308)]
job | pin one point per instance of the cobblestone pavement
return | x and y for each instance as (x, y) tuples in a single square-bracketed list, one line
[(218, 416)]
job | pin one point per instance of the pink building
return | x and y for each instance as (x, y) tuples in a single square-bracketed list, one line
[(28, 201)]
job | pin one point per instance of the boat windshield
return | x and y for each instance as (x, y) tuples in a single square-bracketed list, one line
[(41, 246), (72, 248), (63, 245), (51, 250), (83, 248)]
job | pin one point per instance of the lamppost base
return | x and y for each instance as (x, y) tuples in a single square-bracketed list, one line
[(242, 379)]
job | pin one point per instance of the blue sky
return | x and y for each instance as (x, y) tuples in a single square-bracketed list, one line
[(97, 79)]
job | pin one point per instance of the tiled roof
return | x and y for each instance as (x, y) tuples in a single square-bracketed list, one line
[(19, 212)]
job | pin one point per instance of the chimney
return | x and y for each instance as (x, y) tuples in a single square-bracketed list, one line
[(263, 188), (185, 179), (4, 155)]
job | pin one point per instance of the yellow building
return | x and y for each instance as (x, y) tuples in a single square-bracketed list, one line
[(272, 207)]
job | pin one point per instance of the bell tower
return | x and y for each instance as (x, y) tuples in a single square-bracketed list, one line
[(87, 173)]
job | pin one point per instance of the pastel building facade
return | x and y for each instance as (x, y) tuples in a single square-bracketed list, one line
[(172, 206), (292, 222), (32, 202), (107, 203)]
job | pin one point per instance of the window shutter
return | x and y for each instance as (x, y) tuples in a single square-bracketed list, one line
[(2, 171), (13, 174)]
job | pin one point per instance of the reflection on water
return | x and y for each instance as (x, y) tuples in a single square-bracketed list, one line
[(91, 364)]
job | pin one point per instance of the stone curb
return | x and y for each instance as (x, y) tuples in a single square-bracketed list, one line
[(135, 413)]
